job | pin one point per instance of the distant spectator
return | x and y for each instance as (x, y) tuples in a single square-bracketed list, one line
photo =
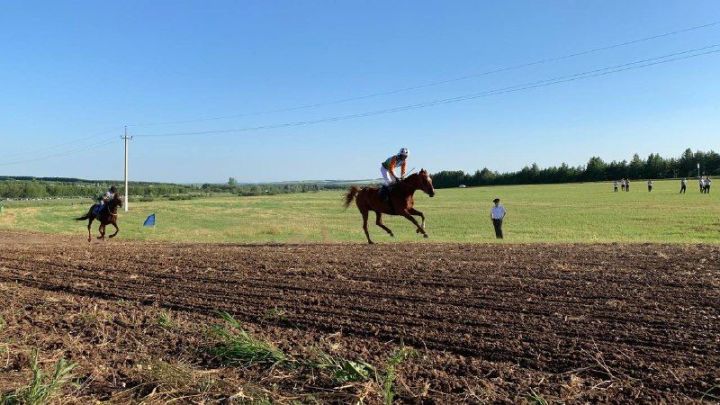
[(497, 214), (615, 186), (650, 184), (622, 184), (701, 182), (627, 185), (683, 186), (707, 185)]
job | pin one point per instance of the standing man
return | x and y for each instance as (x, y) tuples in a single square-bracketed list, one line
[(707, 184), (497, 214), (683, 185), (650, 185), (615, 185), (627, 184)]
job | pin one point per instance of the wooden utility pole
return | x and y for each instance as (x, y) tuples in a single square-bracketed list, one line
[(126, 138)]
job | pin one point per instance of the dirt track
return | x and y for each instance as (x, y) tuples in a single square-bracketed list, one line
[(492, 322)]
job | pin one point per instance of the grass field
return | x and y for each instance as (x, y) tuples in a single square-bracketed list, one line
[(583, 213)]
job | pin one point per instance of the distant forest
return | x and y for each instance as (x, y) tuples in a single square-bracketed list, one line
[(32, 188), (596, 169), (654, 167)]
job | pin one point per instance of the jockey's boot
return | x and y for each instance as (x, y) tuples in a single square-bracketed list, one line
[(385, 193)]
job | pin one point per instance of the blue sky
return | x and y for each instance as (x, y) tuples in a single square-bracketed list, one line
[(73, 73)]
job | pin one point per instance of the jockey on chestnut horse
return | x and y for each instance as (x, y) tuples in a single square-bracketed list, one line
[(104, 211), (396, 196)]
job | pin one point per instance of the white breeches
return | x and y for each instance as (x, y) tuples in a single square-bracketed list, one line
[(386, 176)]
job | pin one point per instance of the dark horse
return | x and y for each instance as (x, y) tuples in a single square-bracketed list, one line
[(107, 215), (400, 201)]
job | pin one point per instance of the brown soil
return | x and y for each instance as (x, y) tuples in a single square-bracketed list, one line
[(489, 323)]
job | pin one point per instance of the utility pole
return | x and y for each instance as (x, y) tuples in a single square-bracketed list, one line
[(126, 138)]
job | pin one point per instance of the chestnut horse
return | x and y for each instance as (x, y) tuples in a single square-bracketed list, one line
[(107, 215), (400, 201)]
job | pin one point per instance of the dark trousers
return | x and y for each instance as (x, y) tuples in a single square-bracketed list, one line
[(497, 223), (682, 189)]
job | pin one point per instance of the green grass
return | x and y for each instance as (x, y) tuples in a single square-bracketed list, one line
[(387, 380), (42, 387), (342, 370), (238, 347), (536, 213)]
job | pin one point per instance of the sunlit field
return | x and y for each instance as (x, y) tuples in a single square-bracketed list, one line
[(536, 213)]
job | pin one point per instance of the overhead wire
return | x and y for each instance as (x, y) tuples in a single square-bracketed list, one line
[(61, 154), (668, 58), (60, 145), (439, 82)]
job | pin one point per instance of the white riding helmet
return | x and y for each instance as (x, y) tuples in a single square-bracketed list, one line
[(404, 152)]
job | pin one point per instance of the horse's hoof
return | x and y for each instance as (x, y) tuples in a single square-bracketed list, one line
[(425, 236)]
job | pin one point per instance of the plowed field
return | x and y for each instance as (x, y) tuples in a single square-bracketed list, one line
[(506, 323)]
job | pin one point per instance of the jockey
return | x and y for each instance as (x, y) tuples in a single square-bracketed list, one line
[(109, 195), (387, 168), (103, 198)]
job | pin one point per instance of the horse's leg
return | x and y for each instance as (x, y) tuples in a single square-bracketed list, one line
[(101, 229), (365, 214), (116, 229), (378, 222), (410, 218), (413, 211), (90, 229)]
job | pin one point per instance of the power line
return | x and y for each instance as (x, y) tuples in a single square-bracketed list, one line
[(61, 154), (440, 82), (67, 143), (673, 57)]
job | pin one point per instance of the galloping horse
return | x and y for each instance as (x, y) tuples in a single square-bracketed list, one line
[(400, 201), (107, 215)]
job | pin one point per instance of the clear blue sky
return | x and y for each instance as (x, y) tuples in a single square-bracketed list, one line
[(76, 69)]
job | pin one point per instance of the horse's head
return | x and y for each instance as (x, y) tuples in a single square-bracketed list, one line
[(422, 181), (115, 203)]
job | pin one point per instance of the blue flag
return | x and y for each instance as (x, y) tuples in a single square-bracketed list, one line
[(150, 221)]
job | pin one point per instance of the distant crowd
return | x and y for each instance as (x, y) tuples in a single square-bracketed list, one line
[(704, 183)]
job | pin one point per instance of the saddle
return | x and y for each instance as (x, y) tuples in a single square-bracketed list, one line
[(97, 211)]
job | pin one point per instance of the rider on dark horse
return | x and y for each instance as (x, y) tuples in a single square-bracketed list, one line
[(387, 170), (102, 199)]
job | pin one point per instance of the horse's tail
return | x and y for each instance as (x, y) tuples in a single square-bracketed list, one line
[(350, 196)]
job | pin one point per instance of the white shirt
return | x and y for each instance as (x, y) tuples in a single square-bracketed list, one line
[(497, 212)]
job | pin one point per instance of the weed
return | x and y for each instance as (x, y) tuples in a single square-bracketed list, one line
[(536, 398), (344, 370), (2, 323), (275, 314), (388, 379), (42, 388), (237, 346), (165, 321), (707, 394)]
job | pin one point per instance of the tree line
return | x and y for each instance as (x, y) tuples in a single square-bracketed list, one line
[(596, 169), (33, 188)]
